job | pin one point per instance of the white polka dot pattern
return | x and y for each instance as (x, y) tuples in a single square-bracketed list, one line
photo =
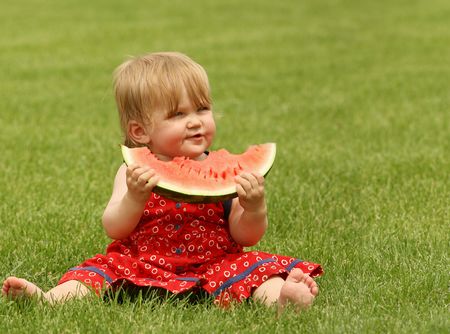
[(179, 246)]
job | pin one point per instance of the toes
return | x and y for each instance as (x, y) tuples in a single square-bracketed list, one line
[(311, 284), (6, 286), (5, 289), (17, 283), (13, 282), (297, 292), (309, 281), (296, 275), (15, 287)]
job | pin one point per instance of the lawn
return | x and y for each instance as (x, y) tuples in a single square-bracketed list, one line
[(355, 93)]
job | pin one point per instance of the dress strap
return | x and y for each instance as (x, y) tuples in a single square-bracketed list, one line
[(227, 208)]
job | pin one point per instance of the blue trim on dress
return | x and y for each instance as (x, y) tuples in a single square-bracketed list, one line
[(293, 264), (188, 279), (241, 276), (95, 270)]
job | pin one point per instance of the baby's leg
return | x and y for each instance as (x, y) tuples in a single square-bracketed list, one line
[(20, 288), (298, 288)]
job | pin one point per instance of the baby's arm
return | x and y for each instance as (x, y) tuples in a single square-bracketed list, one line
[(132, 188), (248, 216)]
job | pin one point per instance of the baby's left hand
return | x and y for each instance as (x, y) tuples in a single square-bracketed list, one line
[(250, 189)]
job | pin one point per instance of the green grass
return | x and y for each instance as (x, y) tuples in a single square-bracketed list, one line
[(355, 93)]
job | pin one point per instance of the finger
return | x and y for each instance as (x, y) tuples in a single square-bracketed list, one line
[(152, 182), (259, 178), (137, 173), (253, 180), (251, 185), (131, 170), (241, 191), (132, 167), (243, 182), (145, 177), (135, 179)]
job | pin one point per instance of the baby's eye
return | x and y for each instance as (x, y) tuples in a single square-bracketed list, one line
[(203, 108), (176, 114)]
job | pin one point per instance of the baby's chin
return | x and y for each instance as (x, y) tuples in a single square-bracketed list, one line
[(195, 155)]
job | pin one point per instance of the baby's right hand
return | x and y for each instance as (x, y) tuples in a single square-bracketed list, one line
[(140, 182)]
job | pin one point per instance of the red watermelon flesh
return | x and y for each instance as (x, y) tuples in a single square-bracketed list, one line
[(209, 180)]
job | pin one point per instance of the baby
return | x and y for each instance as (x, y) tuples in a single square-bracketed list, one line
[(164, 104)]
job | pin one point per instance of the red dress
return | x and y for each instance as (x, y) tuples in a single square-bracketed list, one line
[(181, 247)]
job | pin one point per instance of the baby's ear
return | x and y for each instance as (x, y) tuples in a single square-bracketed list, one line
[(138, 133)]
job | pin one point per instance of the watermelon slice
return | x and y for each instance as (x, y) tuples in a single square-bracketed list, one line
[(209, 180)]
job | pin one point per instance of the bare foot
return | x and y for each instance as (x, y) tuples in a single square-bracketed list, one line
[(16, 288), (299, 289)]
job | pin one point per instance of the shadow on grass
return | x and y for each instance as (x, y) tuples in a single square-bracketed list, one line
[(157, 296)]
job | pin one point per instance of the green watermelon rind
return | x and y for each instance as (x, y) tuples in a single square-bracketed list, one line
[(171, 191), (193, 198)]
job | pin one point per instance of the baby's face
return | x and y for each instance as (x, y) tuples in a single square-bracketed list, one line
[(188, 132)]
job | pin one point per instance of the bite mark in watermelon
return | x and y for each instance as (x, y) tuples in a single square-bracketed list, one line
[(209, 180)]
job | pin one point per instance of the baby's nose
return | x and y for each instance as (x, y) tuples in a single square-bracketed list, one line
[(193, 122)]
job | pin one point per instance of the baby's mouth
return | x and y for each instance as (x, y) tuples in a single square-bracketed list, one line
[(197, 136)]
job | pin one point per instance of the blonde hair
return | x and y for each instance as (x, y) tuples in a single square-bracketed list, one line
[(155, 83)]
